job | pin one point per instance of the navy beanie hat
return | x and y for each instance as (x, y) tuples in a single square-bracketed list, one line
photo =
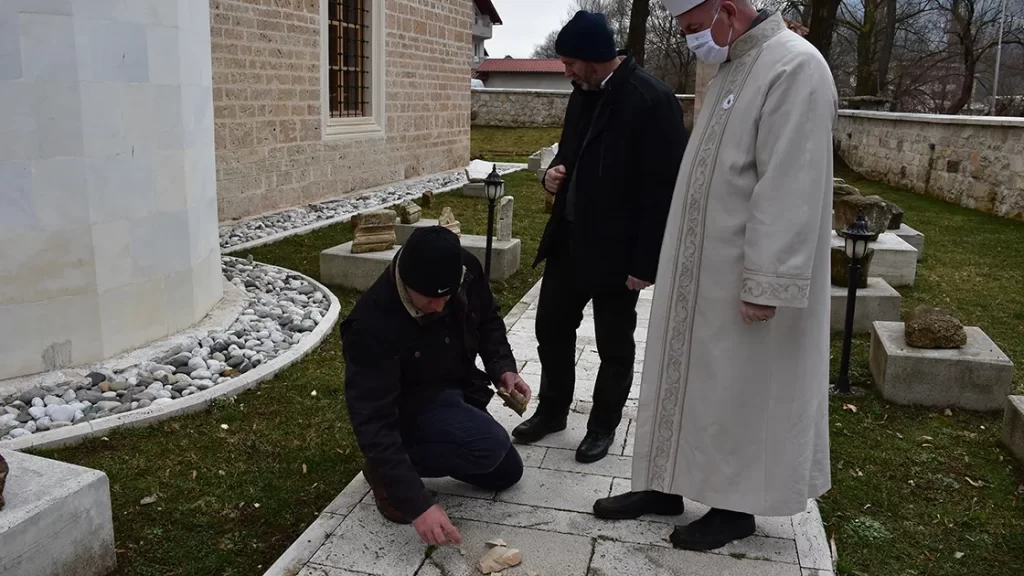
[(586, 37), (431, 262)]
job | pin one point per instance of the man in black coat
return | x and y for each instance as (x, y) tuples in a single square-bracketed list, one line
[(613, 177), (416, 399)]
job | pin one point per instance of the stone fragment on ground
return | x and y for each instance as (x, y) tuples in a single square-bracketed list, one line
[(409, 212), (934, 328), (499, 557), (877, 212)]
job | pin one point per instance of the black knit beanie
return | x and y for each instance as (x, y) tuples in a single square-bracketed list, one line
[(430, 262), (586, 37)]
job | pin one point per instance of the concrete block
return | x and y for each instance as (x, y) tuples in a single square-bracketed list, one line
[(877, 302), (533, 162), (1013, 426), (57, 521), (894, 261), (340, 267), (476, 190), (978, 376), (912, 237), (505, 254)]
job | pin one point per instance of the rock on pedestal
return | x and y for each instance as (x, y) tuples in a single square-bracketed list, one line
[(877, 212), (912, 237), (374, 231), (1013, 426), (978, 376), (877, 302), (57, 521), (894, 260), (339, 266)]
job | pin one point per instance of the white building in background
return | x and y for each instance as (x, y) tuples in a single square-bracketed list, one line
[(108, 182), (523, 74), (485, 17)]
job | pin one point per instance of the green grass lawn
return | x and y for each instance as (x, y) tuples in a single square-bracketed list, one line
[(913, 488)]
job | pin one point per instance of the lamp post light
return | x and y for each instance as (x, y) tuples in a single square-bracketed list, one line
[(495, 188), (857, 236)]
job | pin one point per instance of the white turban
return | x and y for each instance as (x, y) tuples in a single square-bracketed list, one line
[(677, 7)]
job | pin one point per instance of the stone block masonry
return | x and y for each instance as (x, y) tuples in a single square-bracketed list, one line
[(520, 108), (272, 152), (976, 162)]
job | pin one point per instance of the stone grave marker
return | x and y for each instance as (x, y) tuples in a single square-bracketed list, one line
[(505, 218), (448, 220), (409, 212), (374, 231)]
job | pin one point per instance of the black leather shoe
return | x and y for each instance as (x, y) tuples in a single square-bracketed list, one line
[(632, 505), (537, 427), (714, 530), (595, 446)]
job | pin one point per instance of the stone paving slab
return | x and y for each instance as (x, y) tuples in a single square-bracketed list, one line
[(548, 515)]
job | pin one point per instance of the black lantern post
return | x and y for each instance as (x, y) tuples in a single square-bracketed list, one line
[(495, 188), (857, 236)]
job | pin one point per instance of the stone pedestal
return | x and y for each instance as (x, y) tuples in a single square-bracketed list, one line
[(978, 376), (57, 521), (340, 267), (533, 162), (1013, 426), (894, 261), (912, 237), (505, 254), (475, 190), (877, 302)]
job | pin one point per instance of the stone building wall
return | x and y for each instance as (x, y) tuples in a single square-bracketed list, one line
[(976, 162), (526, 108), (272, 151)]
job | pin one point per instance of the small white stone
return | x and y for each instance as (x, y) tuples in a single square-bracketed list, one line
[(37, 412), (53, 401), (38, 403), (62, 414), (30, 426), (18, 433), (161, 401), (43, 424)]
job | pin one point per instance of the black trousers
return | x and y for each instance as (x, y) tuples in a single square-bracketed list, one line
[(559, 315)]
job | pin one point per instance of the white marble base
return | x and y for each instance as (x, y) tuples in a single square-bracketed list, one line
[(895, 261)]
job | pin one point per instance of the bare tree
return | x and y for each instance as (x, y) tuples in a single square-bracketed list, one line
[(636, 40), (546, 49)]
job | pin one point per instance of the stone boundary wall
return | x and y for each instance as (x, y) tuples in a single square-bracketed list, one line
[(516, 108), (974, 161)]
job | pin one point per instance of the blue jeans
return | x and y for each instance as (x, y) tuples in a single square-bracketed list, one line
[(453, 439)]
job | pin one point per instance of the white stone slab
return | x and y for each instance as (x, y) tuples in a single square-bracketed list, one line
[(543, 552), (365, 542), (912, 237), (879, 302), (347, 500), (978, 376), (299, 553), (557, 489), (340, 267), (617, 558), (895, 261), (532, 456), (560, 521), (627, 448), (1013, 426), (57, 520), (811, 541), (478, 170), (565, 460), (315, 570), (568, 439)]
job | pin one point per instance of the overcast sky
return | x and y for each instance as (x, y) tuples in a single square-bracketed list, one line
[(525, 23)]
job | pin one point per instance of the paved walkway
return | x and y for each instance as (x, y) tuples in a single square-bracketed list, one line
[(547, 516)]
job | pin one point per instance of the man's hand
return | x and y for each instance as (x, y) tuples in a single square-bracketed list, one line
[(434, 527), (553, 179), (752, 313), (636, 284), (511, 381)]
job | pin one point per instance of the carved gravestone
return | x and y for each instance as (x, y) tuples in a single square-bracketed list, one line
[(448, 220), (933, 328), (841, 188), (409, 212), (877, 212), (505, 219), (3, 479), (374, 231), (841, 268)]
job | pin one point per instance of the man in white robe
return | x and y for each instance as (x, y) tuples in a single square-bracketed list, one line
[(734, 397)]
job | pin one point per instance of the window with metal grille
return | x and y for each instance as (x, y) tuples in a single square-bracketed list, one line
[(349, 58)]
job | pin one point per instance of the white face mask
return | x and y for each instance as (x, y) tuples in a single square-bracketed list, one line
[(704, 46)]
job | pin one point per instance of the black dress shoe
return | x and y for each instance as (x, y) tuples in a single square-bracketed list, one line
[(537, 427), (714, 530), (632, 505), (595, 446)]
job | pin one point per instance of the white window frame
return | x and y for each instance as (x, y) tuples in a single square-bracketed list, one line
[(374, 123)]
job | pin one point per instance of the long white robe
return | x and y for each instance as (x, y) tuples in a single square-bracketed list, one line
[(735, 416)]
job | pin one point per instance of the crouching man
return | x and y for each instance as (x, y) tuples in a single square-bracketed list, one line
[(416, 399)]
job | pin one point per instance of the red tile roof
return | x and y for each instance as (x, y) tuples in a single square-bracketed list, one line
[(526, 65), (487, 7)]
